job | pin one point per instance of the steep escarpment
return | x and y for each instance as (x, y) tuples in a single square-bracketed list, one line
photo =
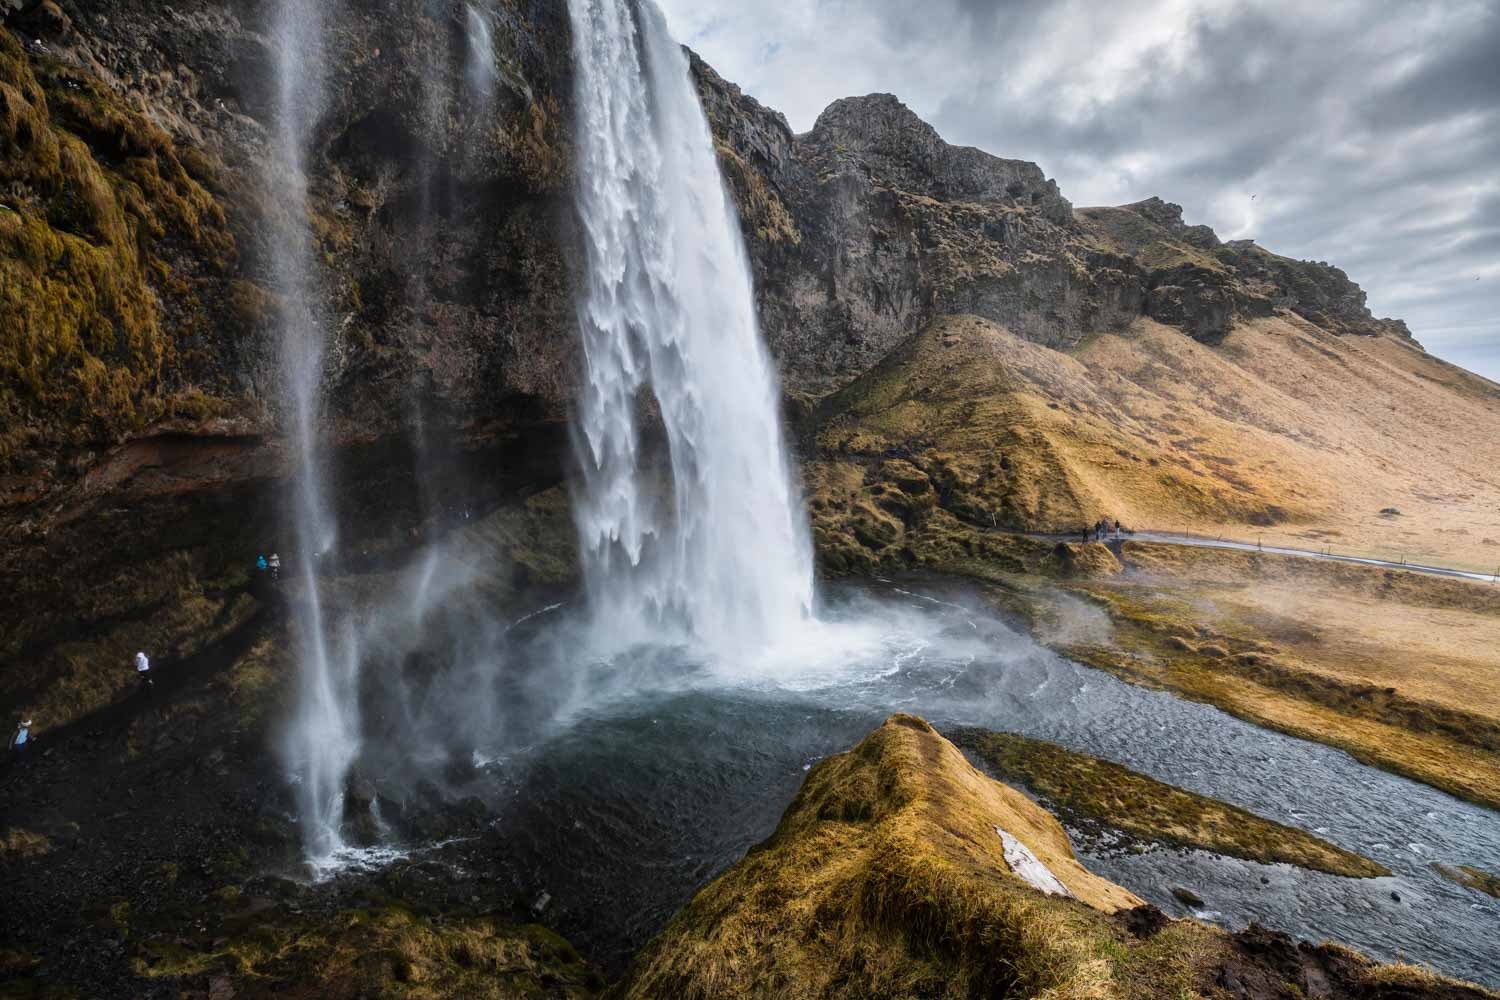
[(1201, 285), (867, 227), (140, 455)]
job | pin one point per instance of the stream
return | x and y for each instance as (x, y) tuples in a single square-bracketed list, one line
[(624, 784)]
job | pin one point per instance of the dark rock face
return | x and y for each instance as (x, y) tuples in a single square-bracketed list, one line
[(870, 225), (1201, 285), (140, 462)]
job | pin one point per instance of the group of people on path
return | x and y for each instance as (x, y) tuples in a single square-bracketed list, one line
[(1101, 529), (270, 567)]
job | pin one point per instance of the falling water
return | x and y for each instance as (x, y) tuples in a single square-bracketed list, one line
[(668, 306), (480, 69), (323, 740)]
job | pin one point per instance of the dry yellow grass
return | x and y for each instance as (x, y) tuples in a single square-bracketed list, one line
[(886, 879), (1283, 430)]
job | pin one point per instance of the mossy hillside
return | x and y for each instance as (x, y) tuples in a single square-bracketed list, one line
[(108, 246), (1081, 787), (1012, 435)]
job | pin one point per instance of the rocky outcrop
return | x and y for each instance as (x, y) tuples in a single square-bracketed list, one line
[(870, 225), (1200, 285)]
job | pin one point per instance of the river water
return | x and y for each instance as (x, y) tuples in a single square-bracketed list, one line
[(627, 783)]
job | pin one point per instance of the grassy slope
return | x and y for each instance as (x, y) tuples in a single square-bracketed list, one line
[(1283, 430), (886, 878)]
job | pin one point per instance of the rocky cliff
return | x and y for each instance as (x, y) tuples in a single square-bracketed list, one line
[(870, 226), (140, 458)]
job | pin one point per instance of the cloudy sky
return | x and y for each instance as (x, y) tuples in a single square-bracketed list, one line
[(1368, 132)]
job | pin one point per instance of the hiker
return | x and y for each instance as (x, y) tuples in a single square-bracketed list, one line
[(21, 741), (143, 671), (1117, 527), (260, 563), (275, 566)]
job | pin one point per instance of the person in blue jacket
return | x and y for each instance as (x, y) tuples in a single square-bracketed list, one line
[(21, 741), (260, 563)]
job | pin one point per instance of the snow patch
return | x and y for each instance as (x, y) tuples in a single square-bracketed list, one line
[(1025, 864)]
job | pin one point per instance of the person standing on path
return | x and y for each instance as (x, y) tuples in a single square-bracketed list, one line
[(143, 671), (20, 743)]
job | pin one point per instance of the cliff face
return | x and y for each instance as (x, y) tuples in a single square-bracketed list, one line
[(870, 226), (140, 457)]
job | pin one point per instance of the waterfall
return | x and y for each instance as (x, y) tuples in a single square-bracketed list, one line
[(721, 554), (480, 68), (323, 737)]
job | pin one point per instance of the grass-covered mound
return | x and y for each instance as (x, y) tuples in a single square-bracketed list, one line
[(888, 877), (1474, 878), (1085, 788)]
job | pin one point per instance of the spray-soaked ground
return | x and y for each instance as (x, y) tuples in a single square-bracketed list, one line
[(625, 784)]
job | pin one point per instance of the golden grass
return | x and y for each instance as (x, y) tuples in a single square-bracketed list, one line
[(1284, 430), (1079, 785), (1474, 878), (93, 192), (886, 878)]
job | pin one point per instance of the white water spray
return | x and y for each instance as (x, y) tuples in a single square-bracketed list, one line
[(668, 306), (323, 738), (480, 68)]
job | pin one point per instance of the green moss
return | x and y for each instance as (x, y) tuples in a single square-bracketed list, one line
[(1081, 787), (1474, 878), (96, 193)]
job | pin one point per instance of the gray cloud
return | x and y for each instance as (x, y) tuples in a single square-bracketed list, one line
[(1368, 133)]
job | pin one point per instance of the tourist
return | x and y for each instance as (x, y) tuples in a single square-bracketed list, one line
[(21, 741), (143, 671), (260, 563), (1117, 527), (275, 566)]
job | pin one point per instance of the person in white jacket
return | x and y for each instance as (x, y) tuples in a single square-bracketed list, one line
[(143, 671)]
